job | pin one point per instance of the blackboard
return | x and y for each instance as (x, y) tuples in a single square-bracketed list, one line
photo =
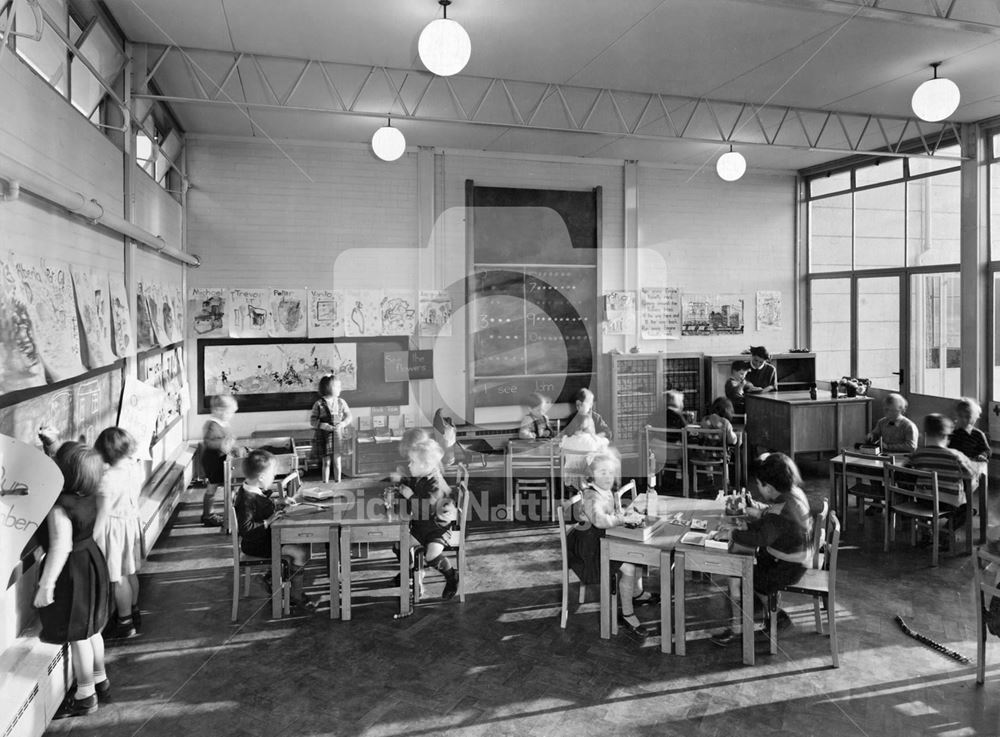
[(533, 296), (372, 388), (409, 365)]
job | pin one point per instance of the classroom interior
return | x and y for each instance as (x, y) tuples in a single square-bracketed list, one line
[(558, 218)]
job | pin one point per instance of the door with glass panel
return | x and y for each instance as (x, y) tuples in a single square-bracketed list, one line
[(877, 305)]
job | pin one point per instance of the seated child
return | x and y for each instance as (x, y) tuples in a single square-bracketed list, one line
[(952, 466), (672, 415), (602, 509), (255, 511), (737, 386), (720, 417), (535, 424), (584, 401), (969, 440), (432, 512), (579, 445), (896, 432)]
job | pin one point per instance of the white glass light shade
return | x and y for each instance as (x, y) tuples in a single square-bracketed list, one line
[(731, 166), (936, 99), (388, 143), (444, 47)]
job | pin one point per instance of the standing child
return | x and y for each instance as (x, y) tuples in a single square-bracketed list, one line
[(896, 432), (217, 443), (330, 416), (73, 592), (255, 511), (535, 424), (119, 527), (432, 515)]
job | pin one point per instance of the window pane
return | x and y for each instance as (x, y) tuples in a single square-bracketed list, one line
[(927, 165), (933, 225), (878, 227), (996, 337), (882, 172), (829, 183), (878, 331), (103, 52), (830, 225), (995, 212), (47, 56), (935, 334), (830, 327)]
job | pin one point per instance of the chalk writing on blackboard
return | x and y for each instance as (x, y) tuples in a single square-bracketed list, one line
[(409, 365)]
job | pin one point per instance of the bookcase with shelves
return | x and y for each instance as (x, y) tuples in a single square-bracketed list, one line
[(796, 371)]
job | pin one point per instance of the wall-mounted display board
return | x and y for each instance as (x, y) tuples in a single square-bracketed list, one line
[(533, 296), (269, 374)]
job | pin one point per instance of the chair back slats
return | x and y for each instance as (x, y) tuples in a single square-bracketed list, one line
[(985, 588), (913, 483), (573, 468)]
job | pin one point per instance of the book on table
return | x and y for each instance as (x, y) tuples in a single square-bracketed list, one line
[(317, 494), (643, 532), (716, 539)]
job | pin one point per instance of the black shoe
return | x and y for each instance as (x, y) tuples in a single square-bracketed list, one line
[(396, 580), (725, 638), (136, 618), (73, 707), (123, 631), (211, 520), (103, 690), (450, 585), (652, 600), (641, 631), (784, 621)]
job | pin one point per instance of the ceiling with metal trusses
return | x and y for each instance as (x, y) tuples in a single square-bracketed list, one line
[(791, 83)]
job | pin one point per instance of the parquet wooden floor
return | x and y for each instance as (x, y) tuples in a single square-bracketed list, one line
[(500, 664)]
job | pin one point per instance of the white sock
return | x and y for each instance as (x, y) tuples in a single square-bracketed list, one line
[(100, 676), (84, 690)]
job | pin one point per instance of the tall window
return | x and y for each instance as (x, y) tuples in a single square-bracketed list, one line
[(883, 256)]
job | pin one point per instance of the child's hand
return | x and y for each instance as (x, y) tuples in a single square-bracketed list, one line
[(633, 518), (326, 427), (44, 597)]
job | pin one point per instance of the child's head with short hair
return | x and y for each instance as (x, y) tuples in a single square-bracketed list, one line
[(675, 400), (937, 428), (758, 355), (330, 386), (604, 468), (967, 412), (425, 457), (722, 407), (224, 406), (259, 467), (537, 402), (82, 468), (411, 437), (584, 399), (739, 369), (115, 444), (895, 406), (775, 474)]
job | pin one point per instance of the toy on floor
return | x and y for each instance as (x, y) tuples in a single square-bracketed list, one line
[(929, 642)]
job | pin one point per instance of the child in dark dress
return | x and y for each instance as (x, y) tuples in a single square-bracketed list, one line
[(74, 594), (329, 419)]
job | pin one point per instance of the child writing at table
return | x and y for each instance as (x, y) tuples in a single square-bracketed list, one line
[(895, 432), (329, 418), (256, 511), (432, 512), (535, 424), (216, 445)]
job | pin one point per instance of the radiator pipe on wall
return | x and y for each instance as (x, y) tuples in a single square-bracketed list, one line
[(42, 186)]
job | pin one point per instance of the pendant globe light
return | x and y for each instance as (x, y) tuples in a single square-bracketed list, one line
[(935, 99), (444, 46), (731, 165), (388, 143)]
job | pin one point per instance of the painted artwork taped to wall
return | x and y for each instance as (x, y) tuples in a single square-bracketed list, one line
[(176, 298), (619, 313), (287, 318), (153, 296), (121, 320), (768, 310), (94, 309), (277, 369), (435, 313), (144, 322), (325, 313), (20, 361), (398, 312), (208, 317), (719, 314), (362, 313), (248, 310), (48, 290)]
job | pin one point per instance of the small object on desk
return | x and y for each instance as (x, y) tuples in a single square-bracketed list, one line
[(315, 493), (699, 525), (835, 390), (691, 537), (812, 391)]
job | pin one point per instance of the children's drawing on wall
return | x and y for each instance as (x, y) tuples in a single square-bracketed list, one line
[(47, 287), (768, 310), (619, 313), (325, 308), (177, 304), (248, 309), (207, 311), (712, 315), (362, 316), (20, 362), (93, 306), (144, 324), (277, 368), (399, 314), (435, 313), (288, 313), (153, 295), (121, 322), (660, 313)]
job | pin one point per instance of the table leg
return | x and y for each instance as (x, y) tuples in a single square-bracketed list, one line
[(276, 598), (605, 590), (334, 563), (680, 641), (747, 604), (666, 625), (509, 486), (404, 570), (984, 498), (345, 573)]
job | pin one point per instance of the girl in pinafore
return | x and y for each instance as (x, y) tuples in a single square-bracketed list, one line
[(330, 417)]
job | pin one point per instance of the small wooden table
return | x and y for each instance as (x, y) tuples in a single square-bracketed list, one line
[(305, 525)]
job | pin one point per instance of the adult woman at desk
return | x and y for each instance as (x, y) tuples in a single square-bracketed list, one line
[(762, 374), (584, 401)]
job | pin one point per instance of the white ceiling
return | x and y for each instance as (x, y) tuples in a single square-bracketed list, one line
[(742, 50)]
